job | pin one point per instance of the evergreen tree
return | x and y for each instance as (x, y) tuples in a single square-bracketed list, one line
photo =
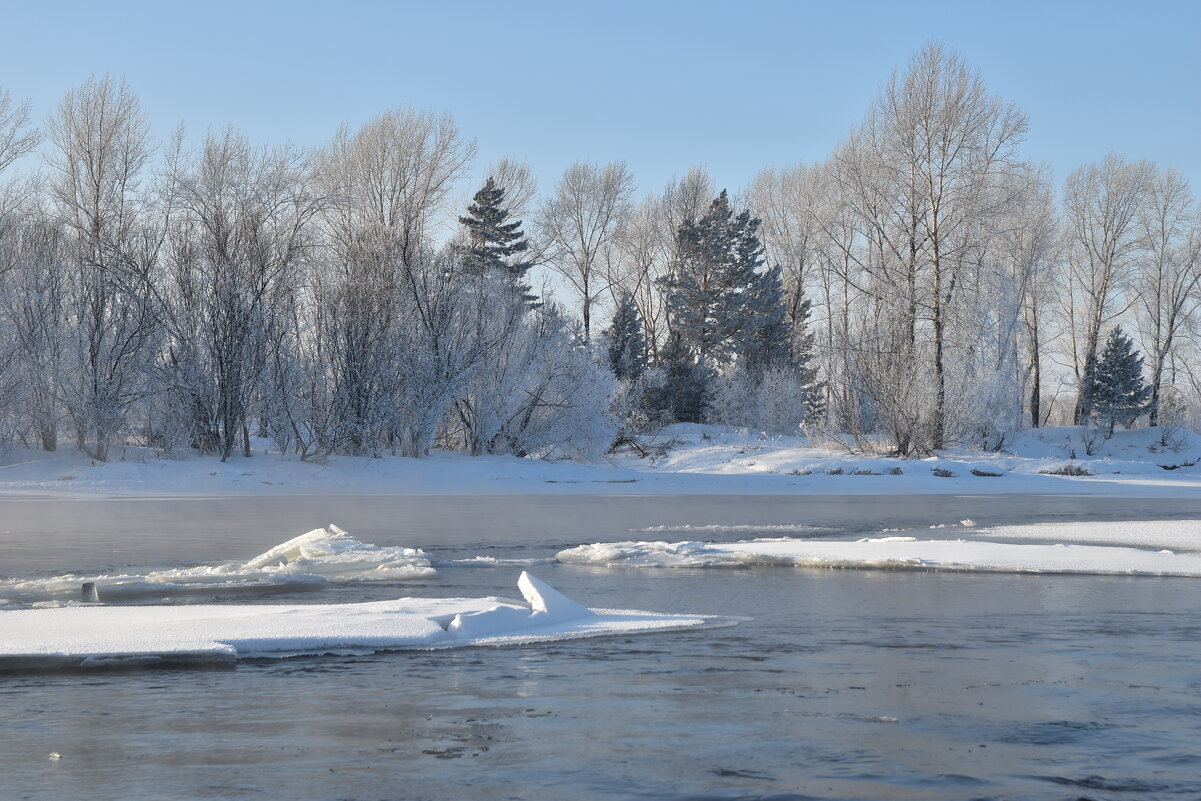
[(1113, 387), (493, 241), (714, 290), (767, 341), (804, 361), (627, 344), (685, 393)]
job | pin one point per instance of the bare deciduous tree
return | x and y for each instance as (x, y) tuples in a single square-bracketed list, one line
[(1101, 205), (581, 225), (101, 145)]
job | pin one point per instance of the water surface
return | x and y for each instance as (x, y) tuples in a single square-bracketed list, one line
[(845, 685)]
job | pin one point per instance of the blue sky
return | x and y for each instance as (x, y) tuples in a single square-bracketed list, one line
[(663, 85)]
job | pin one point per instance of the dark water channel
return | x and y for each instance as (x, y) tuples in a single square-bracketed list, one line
[(845, 685)]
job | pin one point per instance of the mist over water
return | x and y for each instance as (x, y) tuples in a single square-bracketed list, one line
[(846, 684)]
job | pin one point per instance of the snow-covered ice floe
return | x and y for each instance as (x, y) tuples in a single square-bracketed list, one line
[(1170, 534), (97, 636), (893, 553), (312, 559)]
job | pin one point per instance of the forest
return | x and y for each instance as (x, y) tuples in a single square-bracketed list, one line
[(926, 285)]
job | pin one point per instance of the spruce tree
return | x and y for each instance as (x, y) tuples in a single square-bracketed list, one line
[(493, 241), (627, 343), (1113, 388), (804, 361)]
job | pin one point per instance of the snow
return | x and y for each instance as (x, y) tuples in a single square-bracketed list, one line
[(683, 459), (312, 559), (1172, 534), (333, 553), (93, 635), (896, 552)]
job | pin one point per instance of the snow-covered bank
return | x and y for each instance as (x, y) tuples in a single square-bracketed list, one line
[(91, 636), (310, 560), (682, 459), (893, 553)]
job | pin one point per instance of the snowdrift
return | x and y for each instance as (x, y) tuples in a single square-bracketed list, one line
[(100, 636)]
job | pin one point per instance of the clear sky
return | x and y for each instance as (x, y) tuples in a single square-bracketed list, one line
[(734, 85)]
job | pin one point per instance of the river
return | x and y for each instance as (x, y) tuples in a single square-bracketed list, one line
[(844, 684)]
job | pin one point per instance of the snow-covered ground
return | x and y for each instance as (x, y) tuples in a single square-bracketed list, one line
[(683, 459), (96, 635)]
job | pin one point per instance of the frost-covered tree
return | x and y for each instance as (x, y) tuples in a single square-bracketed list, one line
[(237, 243), (1113, 389), (715, 290), (100, 147), (1101, 204), (581, 224), (768, 342), (683, 394), (625, 343), (1168, 277)]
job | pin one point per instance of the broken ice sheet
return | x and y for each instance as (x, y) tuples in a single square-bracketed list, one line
[(312, 559)]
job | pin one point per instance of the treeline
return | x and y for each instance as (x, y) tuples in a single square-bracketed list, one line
[(230, 291), (955, 295), (923, 286)]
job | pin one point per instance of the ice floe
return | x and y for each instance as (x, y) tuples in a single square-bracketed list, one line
[(732, 529), (312, 559), (96, 635), (893, 553), (1174, 534)]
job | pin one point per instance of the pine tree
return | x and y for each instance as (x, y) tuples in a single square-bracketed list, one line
[(1113, 388), (493, 242), (687, 386), (627, 344), (766, 341), (714, 288)]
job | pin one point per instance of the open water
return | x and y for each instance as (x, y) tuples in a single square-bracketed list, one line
[(846, 684)]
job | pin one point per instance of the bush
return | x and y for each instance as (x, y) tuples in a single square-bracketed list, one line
[(1069, 469)]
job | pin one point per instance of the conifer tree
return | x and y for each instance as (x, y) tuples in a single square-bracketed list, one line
[(627, 343), (714, 288), (767, 340), (687, 386), (804, 362), (1113, 388), (494, 242)]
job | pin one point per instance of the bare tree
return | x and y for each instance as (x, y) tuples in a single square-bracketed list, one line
[(17, 139), (241, 233), (1169, 273), (1101, 205), (953, 143), (101, 145), (519, 183), (1028, 245), (388, 181), (581, 225)]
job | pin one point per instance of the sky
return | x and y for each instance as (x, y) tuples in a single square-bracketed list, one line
[(735, 86)]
